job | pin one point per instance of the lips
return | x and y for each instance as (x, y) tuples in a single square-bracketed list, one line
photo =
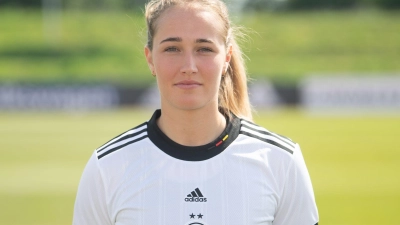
[(188, 84)]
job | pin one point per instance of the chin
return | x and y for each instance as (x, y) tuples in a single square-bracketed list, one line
[(190, 107), (190, 104)]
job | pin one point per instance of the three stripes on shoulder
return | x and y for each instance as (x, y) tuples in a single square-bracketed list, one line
[(131, 136), (252, 130)]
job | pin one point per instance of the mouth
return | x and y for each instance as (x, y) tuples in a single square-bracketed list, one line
[(188, 84)]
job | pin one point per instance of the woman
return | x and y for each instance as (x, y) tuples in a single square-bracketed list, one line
[(200, 159)]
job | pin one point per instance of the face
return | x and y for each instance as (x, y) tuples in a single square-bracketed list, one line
[(189, 56)]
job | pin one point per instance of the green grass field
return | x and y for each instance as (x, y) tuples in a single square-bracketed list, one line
[(354, 161), (108, 46)]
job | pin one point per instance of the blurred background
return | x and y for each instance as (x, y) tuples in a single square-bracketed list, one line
[(325, 73)]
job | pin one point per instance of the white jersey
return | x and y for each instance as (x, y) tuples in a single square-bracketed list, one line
[(247, 176)]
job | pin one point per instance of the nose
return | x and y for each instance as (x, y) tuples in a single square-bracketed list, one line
[(189, 64)]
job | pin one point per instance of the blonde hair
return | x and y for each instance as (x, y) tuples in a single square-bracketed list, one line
[(233, 95)]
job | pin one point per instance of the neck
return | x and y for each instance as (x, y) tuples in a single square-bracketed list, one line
[(191, 127)]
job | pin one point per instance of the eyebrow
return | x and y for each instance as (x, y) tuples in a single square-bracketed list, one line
[(202, 40), (178, 39), (173, 39)]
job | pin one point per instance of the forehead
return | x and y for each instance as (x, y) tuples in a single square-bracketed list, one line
[(190, 22)]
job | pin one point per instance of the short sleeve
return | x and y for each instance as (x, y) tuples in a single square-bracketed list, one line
[(297, 202), (90, 204)]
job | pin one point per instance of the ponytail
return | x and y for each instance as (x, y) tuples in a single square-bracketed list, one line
[(233, 93)]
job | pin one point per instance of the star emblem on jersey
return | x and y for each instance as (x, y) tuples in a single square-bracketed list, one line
[(195, 196), (193, 216)]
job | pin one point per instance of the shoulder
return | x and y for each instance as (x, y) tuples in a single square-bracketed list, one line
[(128, 138), (259, 134)]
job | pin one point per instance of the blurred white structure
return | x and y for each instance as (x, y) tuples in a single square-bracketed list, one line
[(351, 93), (263, 95), (58, 97)]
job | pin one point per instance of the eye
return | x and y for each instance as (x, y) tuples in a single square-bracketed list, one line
[(171, 49), (205, 49)]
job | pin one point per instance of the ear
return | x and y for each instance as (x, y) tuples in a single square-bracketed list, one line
[(228, 57), (149, 59), (228, 54)]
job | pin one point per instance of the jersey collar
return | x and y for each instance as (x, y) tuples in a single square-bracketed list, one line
[(193, 153)]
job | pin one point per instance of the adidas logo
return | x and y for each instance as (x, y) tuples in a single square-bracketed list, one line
[(195, 196)]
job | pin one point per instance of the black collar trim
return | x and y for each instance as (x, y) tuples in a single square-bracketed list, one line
[(193, 153)]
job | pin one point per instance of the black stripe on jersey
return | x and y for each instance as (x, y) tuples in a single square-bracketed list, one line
[(271, 134), (280, 142), (121, 146), (280, 137), (118, 139), (267, 140)]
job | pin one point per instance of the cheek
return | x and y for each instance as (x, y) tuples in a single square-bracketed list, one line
[(211, 72), (212, 66), (165, 67)]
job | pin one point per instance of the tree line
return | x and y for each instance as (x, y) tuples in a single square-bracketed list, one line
[(250, 5)]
